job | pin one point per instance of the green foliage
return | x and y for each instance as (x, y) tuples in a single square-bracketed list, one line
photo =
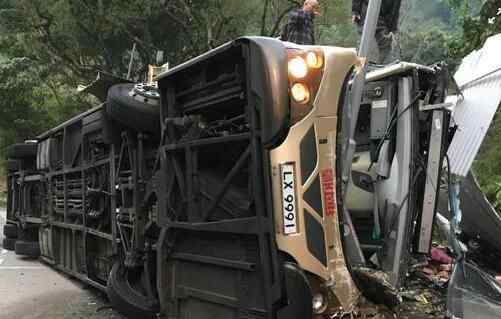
[(48, 47), (32, 101), (334, 26), (425, 27), (474, 20), (342, 34), (20, 114), (488, 164), (425, 47)]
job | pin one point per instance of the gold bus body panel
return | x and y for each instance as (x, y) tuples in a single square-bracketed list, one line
[(323, 118)]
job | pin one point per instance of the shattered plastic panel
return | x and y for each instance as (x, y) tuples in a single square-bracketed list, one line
[(473, 293), (480, 219), (479, 77)]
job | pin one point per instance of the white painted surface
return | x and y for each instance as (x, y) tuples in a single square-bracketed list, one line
[(3, 217), (289, 199), (475, 112)]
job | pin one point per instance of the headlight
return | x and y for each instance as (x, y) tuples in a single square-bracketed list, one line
[(306, 68), (319, 303), (314, 60), (300, 93), (298, 68)]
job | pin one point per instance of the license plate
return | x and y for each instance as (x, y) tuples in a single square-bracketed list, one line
[(289, 199)]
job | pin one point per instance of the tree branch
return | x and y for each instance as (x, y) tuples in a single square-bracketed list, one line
[(263, 17)]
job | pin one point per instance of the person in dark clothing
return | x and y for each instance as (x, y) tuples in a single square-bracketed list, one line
[(300, 26), (386, 48)]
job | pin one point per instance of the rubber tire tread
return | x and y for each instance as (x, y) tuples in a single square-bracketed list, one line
[(130, 112), (299, 293), (10, 231), (125, 300), (9, 243), (27, 248), (22, 150)]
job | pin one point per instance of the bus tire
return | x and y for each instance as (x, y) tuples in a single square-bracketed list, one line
[(9, 243), (10, 230), (130, 112), (27, 248), (22, 150), (126, 300), (299, 293), (12, 165)]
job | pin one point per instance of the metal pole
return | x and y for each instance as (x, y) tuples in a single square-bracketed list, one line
[(358, 85), (131, 60), (353, 250), (370, 25)]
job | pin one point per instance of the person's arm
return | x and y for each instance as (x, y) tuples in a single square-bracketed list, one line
[(284, 34)]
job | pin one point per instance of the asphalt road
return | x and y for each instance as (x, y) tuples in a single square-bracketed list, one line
[(30, 289)]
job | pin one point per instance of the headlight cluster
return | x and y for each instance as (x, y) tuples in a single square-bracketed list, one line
[(320, 303), (314, 60), (298, 68), (323, 302), (305, 73), (300, 93)]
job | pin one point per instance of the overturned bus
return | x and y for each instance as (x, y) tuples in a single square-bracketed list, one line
[(219, 192)]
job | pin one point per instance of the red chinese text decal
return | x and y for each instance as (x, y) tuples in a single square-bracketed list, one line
[(329, 192)]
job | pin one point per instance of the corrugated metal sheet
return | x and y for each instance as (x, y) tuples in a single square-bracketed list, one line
[(479, 76)]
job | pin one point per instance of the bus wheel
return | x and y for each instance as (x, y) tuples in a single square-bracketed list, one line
[(299, 296), (27, 248), (135, 106), (128, 295), (9, 243), (10, 231)]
